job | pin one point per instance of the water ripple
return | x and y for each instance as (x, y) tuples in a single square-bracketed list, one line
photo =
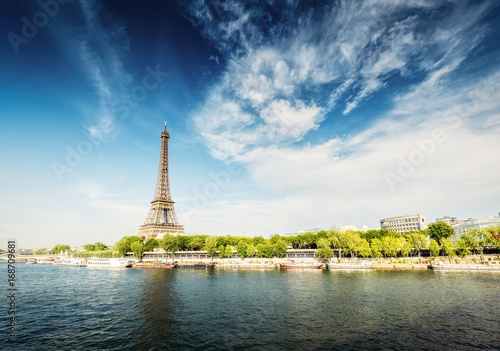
[(182, 309)]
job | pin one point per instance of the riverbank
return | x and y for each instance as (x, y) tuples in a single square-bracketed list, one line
[(399, 266)]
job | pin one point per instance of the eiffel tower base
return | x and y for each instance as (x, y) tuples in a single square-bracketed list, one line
[(151, 231)]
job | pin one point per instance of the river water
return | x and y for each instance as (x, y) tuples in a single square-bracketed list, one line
[(188, 309)]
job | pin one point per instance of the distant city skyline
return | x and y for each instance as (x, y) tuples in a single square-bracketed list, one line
[(281, 117)]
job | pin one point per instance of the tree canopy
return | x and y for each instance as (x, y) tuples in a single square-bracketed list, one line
[(372, 243), (324, 249), (211, 246), (440, 230), (124, 245), (170, 243), (98, 246), (60, 248)]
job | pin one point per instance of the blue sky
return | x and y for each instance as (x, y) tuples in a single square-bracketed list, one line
[(283, 115)]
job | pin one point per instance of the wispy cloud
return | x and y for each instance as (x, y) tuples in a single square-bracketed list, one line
[(99, 45), (328, 60)]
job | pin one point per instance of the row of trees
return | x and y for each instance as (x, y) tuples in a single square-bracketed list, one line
[(98, 246), (60, 248), (372, 243), (220, 246)]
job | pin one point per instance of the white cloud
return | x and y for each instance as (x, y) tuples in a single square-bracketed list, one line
[(282, 118), (339, 59)]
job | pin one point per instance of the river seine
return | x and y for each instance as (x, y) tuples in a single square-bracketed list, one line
[(189, 309)]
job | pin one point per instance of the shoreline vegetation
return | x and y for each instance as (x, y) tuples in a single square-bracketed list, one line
[(376, 245)]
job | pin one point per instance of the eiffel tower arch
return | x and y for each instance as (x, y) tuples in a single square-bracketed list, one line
[(161, 217)]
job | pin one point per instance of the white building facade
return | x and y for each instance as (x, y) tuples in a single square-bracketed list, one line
[(463, 227), (403, 224)]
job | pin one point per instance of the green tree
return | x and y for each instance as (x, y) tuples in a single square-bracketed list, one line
[(197, 242), (418, 241), (449, 248), (241, 249), (170, 243), (440, 230), (473, 239), (371, 234), (41, 251), (335, 238), (405, 248), (60, 248), (434, 248), (98, 246), (228, 252), (183, 242), (274, 238), (250, 250), (324, 248), (492, 236), (124, 245), (293, 240), (279, 248), (89, 247), (138, 249), (390, 245), (348, 241), (268, 250), (376, 247), (211, 246), (221, 251), (258, 240), (364, 248), (265, 250), (463, 248), (151, 244)]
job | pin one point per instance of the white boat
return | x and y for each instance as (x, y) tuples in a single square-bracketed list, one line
[(463, 267), (45, 261), (361, 265), (73, 262), (301, 265), (31, 261), (97, 262)]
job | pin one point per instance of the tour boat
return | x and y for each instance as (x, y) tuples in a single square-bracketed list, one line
[(45, 261), (197, 265), (462, 267), (248, 265), (31, 261), (154, 265), (362, 265), (97, 262), (301, 265), (73, 262)]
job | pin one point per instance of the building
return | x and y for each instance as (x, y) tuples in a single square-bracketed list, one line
[(449, 220), (161, 217), (403, 224), (462, 227)]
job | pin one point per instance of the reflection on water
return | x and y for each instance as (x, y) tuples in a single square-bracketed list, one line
[(179, 309), (155, 305)]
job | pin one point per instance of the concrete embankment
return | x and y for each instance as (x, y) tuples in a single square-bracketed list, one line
[(399, 266)]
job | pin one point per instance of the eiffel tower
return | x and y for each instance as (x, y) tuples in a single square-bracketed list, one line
[(161, 217)]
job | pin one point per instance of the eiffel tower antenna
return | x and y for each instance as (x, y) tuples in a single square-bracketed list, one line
[(161, 217)]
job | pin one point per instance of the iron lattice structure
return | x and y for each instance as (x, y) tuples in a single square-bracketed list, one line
[(161, 217)]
